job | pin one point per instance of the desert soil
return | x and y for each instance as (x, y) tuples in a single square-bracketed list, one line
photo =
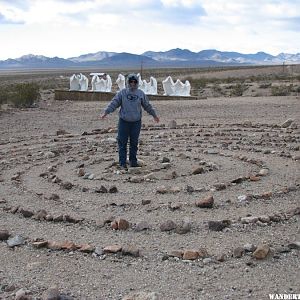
[(246, 157)]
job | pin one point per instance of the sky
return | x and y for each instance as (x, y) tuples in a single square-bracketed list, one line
[(69, 28)]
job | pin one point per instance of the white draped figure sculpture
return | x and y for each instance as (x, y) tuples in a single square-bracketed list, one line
[(83, 82), (74, 83), (149, 88), (102, 84), (168, 86), (121, 82), (176, 89)]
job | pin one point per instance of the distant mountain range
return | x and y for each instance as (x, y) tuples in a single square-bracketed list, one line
[(172, 58)]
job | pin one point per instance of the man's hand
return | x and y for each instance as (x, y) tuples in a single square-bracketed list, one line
[(103, 116), (156, 119)]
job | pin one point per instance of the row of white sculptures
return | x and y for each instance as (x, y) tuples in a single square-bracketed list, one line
[(102, 83)]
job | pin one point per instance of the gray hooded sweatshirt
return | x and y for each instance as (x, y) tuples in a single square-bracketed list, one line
[(131, 101)]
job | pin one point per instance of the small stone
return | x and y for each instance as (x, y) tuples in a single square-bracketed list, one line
[(58, 218), (162, 190), (131, 251), (244, 198), (136, 179), (172, 124), (207, 260), (167, 226), (54, 197), (218, 225), (146, 202), (101, 190), (112, 249), (4, 235), (61, 132), (174, 189), (122, 224), (81, 172), (238, 252), (198, 170), (221, 257), (294, 245), (254, 178), (184, 227), (190, 254), (26, 213), (263, 172), (39, 244), (264, 219), (249, 247), (248, 220), (189, 189), (67, 185), (15, 241), (53, 245), (91, 176), (266, 195), (51, 294), (86, 248), (176, 253), (207, 202), (49, 154), (220, 186), (21, 295), (113, 189), (238, 180), (175, 206), (40, 215), (261, 251), (143, 225), (287, 123), (67, 245)]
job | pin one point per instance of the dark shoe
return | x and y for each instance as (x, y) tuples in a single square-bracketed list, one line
[(134, 165)]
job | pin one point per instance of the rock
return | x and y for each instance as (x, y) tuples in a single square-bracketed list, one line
[(162, 190), (172, 124), (254, 178), (184, 227), (150, 176), (39, 244), (17, 240), (58, 218), (175, 206), (53, 245), (266, 195), (91, 176), (86, 248), (67, 185), (146, 202), (4, 235), (51, 294), (136, 179), (131, 251), (238, 180), (176, 253), (207, 202), (218, 225), (189, 189), (248, 220), (190, 254), (244, 198), (40, 215), (112, 249), (61, 132), (113, 189), (143, 225), (80, 172), (101, 190), (26, 213), (49, 218), (69, 219), (263, 172), (207, 260), (54, 197), (49, 154), (220, 186), (122, 224), (238, 252), (261, 251), (249, 247), (141, 296), (167, 226), (221, 257), (22, 295), (264, 219), (294, 245), (287, 123), (198, 170)]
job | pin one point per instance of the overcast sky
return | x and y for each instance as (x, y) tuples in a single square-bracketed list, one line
[(67, 28)]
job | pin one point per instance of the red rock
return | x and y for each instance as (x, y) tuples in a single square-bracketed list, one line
[(261, 251), (54, 245), (112, 249), (190, 254), (86, 248), (207, 202), (254, 178), (68, 245), (122, 224)]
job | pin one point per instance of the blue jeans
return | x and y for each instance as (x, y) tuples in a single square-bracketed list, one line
[(131, 131)]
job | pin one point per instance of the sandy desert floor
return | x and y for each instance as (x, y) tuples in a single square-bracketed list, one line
[(94, 232)]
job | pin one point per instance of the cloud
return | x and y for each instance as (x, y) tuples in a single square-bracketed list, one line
[(4, 20)]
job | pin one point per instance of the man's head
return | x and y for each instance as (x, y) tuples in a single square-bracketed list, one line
[(132, 81)]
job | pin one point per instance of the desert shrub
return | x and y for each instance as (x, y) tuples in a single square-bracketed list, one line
[(238, 89), (281, 90), (24, 94)]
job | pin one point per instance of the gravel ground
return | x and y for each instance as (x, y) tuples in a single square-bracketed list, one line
[(230, 139)]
